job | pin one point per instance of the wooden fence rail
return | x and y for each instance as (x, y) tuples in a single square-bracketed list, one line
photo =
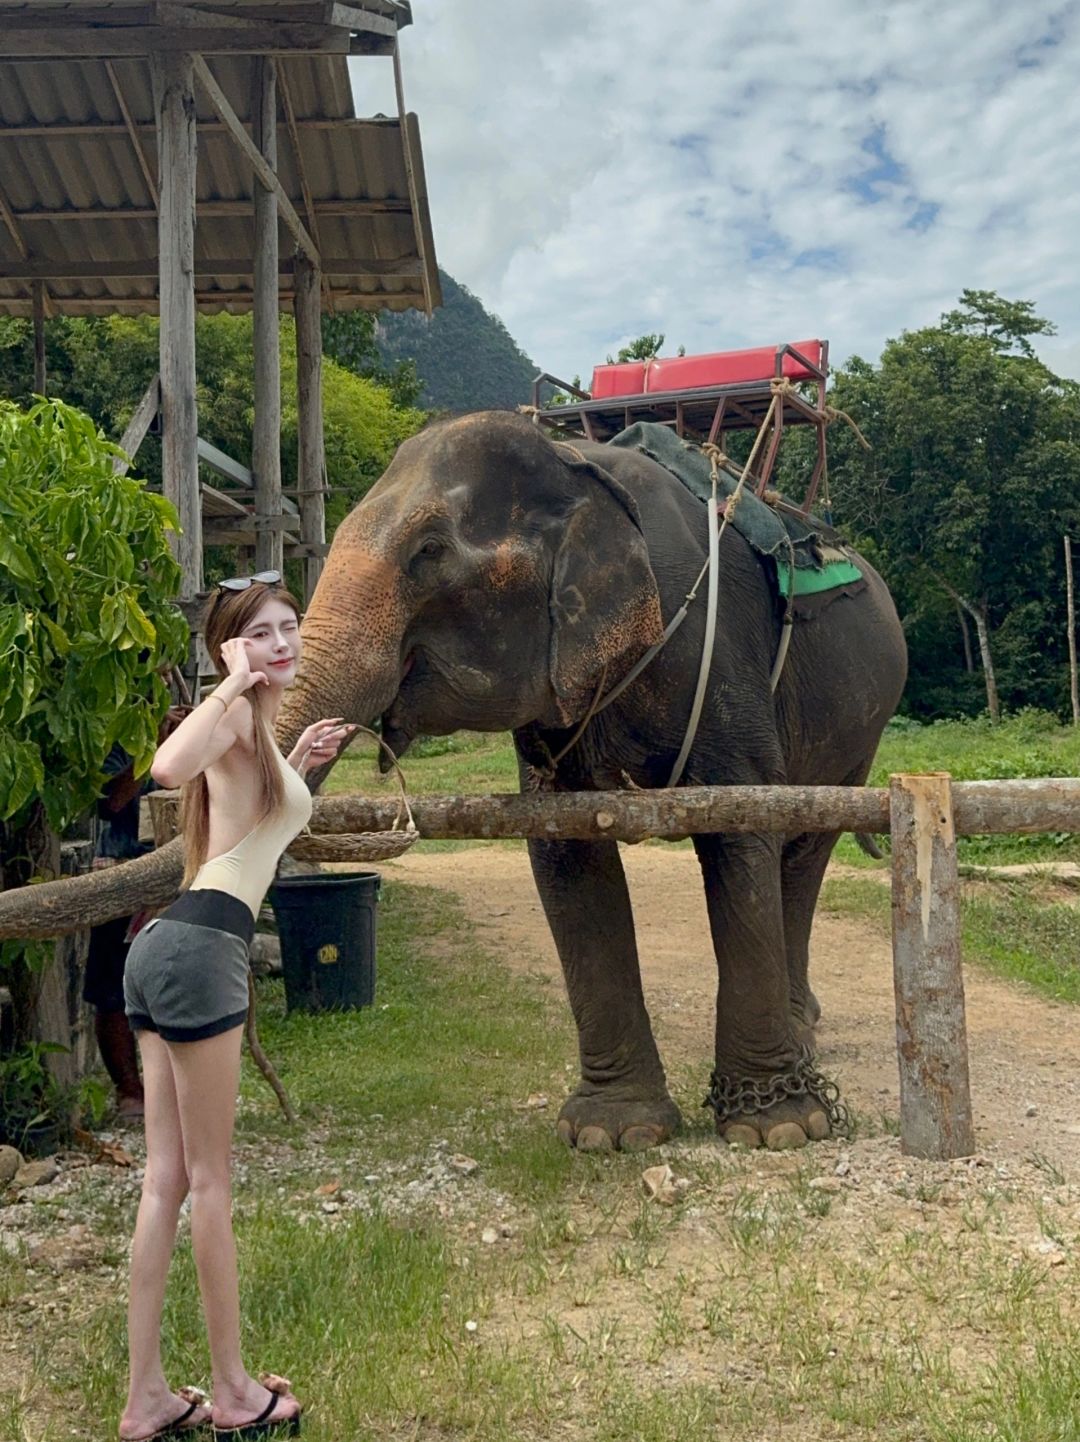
[(1046, 804), (923, 813)]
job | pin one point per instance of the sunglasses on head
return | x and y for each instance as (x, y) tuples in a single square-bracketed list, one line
[(241, 583)]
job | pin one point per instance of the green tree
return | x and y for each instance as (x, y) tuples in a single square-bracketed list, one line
[(643, 347), (105, 365), (965, 496), (86, 623)]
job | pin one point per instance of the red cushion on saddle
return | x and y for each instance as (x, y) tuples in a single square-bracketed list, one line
[(694, 372), (618, 380)]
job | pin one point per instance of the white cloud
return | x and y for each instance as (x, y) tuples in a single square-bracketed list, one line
[(732, 175)]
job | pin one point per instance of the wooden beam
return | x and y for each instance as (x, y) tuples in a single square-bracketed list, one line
[(66, 42), (240, 208), (147, 268), (136, 143), (410, 178), (349, 17), (995, 807), (38, 298), (227, 529), (137, 427), (95, 129), (174, 105), (298, 158), (223, 465), (207, 299), (931, 1030), (310, 455), (263, 172), (266, 436)]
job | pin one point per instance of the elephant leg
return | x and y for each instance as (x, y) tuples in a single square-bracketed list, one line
[(759, 1091), (622, 1099), (802, 869)]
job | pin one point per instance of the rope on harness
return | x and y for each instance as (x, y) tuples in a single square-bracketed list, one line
[(832, 413)]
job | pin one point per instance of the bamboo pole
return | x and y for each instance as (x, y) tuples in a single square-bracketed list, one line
[(1074, 688), (311, 467), (931, 1030), (266, 439)]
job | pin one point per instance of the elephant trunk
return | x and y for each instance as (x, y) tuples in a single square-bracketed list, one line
[(55, 908), (352, 635)]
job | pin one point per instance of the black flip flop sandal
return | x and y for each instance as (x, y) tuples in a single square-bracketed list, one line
[(262, 1425), (179, 1426)]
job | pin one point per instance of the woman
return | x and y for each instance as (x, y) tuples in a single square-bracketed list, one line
[(186, 991)]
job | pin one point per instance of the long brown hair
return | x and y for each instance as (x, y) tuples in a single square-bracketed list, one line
[(227, 614)]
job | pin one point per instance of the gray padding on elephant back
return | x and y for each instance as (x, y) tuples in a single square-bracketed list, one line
[(767, 530)]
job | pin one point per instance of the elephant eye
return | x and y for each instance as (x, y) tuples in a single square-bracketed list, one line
[(430, 548)]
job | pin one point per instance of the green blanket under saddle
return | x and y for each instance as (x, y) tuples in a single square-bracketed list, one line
[(822, 562)]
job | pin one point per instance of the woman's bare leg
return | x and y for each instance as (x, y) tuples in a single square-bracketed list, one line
[(150, 1402), (207, 1075)]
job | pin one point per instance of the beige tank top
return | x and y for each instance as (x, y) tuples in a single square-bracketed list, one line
[(248, 869)]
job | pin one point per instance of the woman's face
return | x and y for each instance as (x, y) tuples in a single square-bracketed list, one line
[(272, 638)]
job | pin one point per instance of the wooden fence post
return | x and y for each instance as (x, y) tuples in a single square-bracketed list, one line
[(931, 1030)]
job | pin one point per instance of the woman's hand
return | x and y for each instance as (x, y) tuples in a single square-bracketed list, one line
[(234, 655), (319, 743)]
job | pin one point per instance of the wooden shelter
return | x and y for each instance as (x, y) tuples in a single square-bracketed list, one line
[(174, 157)]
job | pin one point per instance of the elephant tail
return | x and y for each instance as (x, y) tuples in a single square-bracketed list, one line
[(866, 842), (54, 908)]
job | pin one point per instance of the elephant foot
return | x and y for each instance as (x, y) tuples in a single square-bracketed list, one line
[(592, 1122), (781, 1112)]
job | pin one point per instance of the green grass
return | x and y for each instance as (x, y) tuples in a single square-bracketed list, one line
[(1003, 927)]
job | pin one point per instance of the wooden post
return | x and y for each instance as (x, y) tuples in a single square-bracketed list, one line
[(310, 457), (266, 440), (1074, 689), (38, 293), (931, 1031), (174, 109)]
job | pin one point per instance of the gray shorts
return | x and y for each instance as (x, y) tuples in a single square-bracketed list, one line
[(187, 970)]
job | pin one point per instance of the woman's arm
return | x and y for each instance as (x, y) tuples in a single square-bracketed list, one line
[(213, 727)]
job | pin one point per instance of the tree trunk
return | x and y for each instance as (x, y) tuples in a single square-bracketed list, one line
[(969, 659), (982, 631)]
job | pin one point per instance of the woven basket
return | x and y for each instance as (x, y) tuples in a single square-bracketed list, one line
[(362, 845), (354, 845)]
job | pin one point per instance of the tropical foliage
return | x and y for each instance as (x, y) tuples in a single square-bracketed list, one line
[(971, 484), (86, 621)]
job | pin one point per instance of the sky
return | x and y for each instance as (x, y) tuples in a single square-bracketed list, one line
[(733, 173)]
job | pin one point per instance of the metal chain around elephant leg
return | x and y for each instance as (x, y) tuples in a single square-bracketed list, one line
[(736, 1097)]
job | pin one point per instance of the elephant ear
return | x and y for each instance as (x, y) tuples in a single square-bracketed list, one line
[(605, 607)]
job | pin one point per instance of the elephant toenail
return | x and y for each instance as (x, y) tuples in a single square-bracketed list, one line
[(564, 1130), (817, 1126), (639, 1138), (594, 1139), (739, 1134), (785, 1137)]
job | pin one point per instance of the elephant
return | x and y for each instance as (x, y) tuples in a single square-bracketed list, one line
[(495, 579)]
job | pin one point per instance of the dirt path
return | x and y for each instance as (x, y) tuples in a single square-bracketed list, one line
[(1025, 1052)]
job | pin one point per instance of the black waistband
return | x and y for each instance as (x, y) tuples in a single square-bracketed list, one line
[(214, 908)]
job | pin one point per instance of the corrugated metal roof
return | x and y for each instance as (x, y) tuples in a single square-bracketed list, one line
[(74, 192)]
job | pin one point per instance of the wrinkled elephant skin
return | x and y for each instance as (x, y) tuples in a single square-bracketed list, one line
[(496, 580)]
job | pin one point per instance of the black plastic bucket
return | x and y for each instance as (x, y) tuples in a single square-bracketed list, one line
[(326, 924)]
